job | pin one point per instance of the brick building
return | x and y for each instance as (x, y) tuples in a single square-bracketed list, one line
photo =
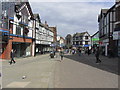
[(54, 30), (19, 29)]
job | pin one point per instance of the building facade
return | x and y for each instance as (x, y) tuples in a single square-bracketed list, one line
[(54, 30), (108, 27), (62, 42), (116, 33), (19, 28), (68, 41), (95, 41), (44, 37), (82, 40)]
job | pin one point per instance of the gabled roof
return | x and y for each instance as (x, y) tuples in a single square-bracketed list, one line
[(104, 10), (68, 36), (80, 34), (22, 4), (37, 16), (95, 34)]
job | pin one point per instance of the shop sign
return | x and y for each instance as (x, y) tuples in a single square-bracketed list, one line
[(52, 45), (95, 39), (106, 41), (86, 45), (116, 35)]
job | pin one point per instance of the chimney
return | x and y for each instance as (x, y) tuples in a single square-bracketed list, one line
[(46, 23)]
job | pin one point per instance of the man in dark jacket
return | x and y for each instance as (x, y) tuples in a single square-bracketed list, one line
[(88, 51), (61, 54), (97, 53), (12, 56)]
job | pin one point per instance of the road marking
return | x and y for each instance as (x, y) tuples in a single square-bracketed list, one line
[(17, 84)]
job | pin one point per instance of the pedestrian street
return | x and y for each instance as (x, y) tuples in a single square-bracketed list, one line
[(73, 71)]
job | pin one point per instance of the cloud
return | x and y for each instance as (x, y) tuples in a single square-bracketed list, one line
[(71, 0), (70, 17)]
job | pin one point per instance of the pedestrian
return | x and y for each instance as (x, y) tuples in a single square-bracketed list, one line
[(79, 52), (97, 53), (70, 51), (61, 54), (52, 54), (88, 51), (0, 75), (12, 54), (73, 51)]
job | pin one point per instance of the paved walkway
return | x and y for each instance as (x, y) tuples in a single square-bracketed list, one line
[(73, 72), (108, 64), (82, 72), (39, 72)]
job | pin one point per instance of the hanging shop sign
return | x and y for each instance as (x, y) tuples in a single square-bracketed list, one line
[(116, 35)]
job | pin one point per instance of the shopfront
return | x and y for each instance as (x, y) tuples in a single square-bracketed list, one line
[(22, 49), (116, 38), (104, 45), (3, 40), (119, 48)]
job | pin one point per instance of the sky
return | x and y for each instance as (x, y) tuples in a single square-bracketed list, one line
[(70, 17)]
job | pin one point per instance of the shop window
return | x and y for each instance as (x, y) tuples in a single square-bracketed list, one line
[(86, 37), (77, 43), (81, 37), (25, 19), (76, 38), (18, 30)]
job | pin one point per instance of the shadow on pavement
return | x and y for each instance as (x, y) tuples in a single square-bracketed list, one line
[(107, 64)]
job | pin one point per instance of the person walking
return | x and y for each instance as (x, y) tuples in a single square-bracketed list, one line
[(12, 54), (97, 53), (61, 54), (79, 52), (88, 51), (73, 51)]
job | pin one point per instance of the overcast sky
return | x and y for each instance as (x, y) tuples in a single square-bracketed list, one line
[(70, 17)]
